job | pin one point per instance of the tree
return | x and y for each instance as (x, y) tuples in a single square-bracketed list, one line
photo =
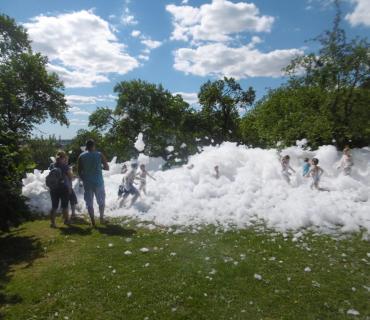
[(14, 207), (325, 99), (14, 38), (28, 93), (41, 149), (142, 107), (28, 96), (221, 101)]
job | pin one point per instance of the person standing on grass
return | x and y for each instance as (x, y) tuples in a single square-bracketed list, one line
[(60, 192), (72, 195), (90, 166)]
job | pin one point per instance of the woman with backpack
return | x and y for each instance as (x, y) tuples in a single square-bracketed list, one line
[(59, 186)]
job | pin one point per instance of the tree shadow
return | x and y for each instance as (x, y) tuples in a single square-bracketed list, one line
[(115, 230), (15, 250)]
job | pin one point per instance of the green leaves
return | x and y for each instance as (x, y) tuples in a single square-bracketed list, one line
[(325, 99)]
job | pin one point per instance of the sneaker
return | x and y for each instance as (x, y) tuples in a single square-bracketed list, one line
[(53, 225)]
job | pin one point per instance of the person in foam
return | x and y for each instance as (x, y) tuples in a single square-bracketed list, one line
[(346, 162), (316, 173), (124, 169), (285, 168), (217, 174), (128, 188), (142, 177), (305, 166)]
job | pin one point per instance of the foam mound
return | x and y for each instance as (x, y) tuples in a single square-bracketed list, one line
[(250, 190)]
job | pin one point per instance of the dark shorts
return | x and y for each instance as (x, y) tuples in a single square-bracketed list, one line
[(72, 198), (123, 191), (62, 194)]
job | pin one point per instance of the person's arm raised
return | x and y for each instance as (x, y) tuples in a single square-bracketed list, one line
[(104, 162)]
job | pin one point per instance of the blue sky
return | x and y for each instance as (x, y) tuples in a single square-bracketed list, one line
[(181, 44)]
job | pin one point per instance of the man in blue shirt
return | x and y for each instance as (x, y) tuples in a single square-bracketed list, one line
[(90, 166)]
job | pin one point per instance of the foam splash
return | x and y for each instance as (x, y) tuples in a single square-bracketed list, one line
[(250, 189)]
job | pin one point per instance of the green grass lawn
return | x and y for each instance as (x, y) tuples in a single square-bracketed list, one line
[(203, 273)]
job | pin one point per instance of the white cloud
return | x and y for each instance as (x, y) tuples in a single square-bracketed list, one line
[(127, 18), (143, 57), (191, 98), (152, 44), (220, 60), (135, 33), (185, 1), (84, 100), (361, 14), (80, 100), (81, 47), (217, 21), (76, 110)]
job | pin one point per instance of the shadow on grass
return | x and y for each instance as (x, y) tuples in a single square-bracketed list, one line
[(115, 230), (109, 229), (15, 250)]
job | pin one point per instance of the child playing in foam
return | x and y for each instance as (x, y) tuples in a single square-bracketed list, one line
[(142, 177), (128, 188), (285, 168), (346, 162), (316, 173), (306, 166), (217, 174)]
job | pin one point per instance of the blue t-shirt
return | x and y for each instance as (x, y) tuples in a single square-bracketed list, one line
[(91, 170), (305, 168), (64, 168)]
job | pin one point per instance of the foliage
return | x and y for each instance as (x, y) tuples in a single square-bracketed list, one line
[(141, 108), (29, 93), (13, 207), (40, 150), (74, 149), (327, 103), (221, 102), (14, 38)]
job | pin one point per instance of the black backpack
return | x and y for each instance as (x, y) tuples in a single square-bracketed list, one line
[(54, 180)]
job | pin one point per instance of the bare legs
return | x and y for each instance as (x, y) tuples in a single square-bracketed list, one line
[(92, 216)]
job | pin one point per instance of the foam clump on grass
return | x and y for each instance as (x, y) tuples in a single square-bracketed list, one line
[(353, 312), (257, 276), (250, 190)]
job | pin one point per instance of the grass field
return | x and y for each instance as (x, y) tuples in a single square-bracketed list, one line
[(199, 273)]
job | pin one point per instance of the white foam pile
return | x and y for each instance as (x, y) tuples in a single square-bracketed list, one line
[(250, 189)]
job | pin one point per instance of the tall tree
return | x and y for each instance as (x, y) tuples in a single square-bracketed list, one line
[(221, 101), (28, 93)]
